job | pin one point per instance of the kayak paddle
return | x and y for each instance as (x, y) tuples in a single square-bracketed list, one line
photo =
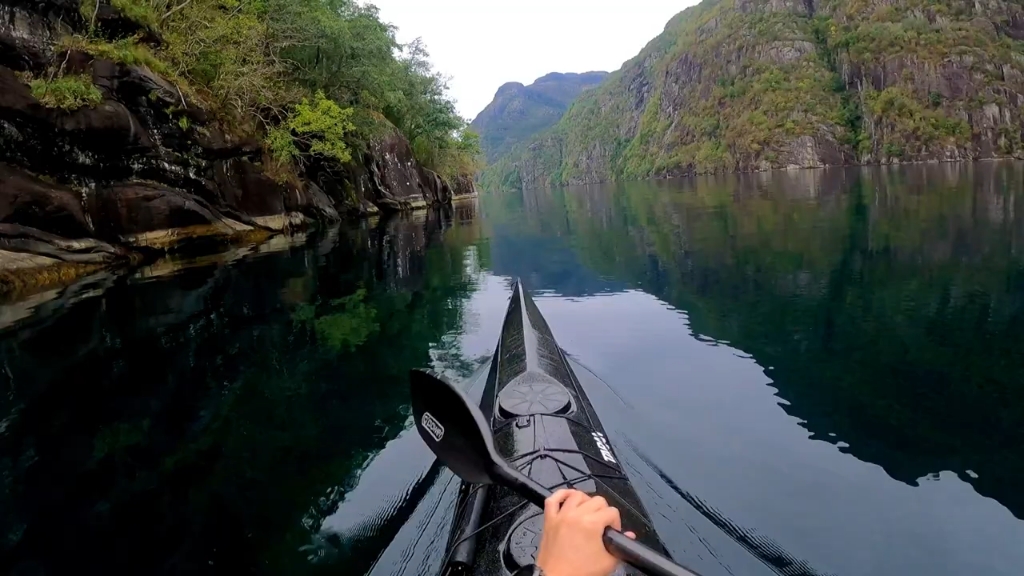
[(456, 431)]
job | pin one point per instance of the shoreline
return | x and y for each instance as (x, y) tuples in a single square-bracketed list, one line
[(25, 275), (787, 170)]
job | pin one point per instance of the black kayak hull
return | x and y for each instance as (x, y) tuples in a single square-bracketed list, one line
[(545, 425)]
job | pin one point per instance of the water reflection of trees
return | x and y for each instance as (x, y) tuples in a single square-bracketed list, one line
[(190, 424), (890, 302)]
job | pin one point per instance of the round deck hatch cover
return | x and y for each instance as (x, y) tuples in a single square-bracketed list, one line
[(523, 542), (526, 396)]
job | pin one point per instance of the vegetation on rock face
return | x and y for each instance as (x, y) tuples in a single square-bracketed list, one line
[(270, 66), (66, 93), (142, 12), (127, 51), (738, 85)]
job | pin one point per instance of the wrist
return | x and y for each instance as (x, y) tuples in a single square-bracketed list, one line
[(530, 570), (535, 570), (548, 570)]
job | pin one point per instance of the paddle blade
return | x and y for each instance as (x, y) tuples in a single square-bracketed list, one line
[(453, 428)]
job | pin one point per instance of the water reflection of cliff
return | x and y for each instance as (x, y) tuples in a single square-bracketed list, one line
[(191, 422), (889, 302)]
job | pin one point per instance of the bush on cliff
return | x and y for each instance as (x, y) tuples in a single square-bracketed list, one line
[(319, 128), (66, 93)]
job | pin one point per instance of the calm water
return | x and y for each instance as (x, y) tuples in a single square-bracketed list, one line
[(825, 363)]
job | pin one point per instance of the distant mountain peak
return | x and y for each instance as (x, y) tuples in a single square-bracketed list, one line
[(569, 76), (508, 88), (519, 112)]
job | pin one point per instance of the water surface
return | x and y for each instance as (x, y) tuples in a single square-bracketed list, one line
[(817, 372)]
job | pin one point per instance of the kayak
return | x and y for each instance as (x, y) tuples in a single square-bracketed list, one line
[(544, 425)]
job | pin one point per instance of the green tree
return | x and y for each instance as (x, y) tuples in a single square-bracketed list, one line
[(318, 127)]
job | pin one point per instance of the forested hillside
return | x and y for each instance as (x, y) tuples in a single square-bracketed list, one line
[(311, 76), (739, 85), (128, 126), (520, 112)]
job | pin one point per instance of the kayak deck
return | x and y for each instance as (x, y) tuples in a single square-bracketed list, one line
[(545, 425)]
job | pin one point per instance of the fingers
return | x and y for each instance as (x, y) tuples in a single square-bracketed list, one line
[(596, 509), (609, 517), (554, 502), (575, 499), (564, 499), (594, 504), (579, 502)]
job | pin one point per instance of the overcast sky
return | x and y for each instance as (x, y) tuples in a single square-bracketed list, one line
[(482, 44)]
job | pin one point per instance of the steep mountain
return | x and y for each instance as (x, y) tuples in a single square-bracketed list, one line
[(519, 112), (740, 85)]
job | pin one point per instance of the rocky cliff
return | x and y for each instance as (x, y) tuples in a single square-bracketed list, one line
[(144, 166), (746, 85), (520, 112)]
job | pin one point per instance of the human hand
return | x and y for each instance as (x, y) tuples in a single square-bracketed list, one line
[(572, 542)]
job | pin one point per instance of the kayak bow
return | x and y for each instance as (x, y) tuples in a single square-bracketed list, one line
[(545, 427)]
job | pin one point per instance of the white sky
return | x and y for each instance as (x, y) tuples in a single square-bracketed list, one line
[(483, 44)]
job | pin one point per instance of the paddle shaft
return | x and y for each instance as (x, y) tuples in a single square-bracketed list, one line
[(618, 544)]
